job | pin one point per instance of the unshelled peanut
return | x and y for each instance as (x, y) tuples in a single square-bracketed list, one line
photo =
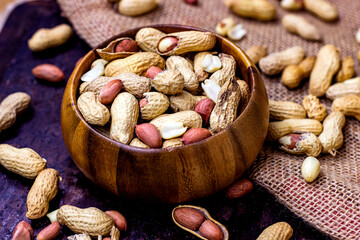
[(137, 7), (274, 63), (227, 70), (280, 110), (287, 126), (256, 53), (261, 10), (278, 231), (153, 105), (346, 70), (171, 143), (90, 220), (11, 106), (43, 190), (348, 87), (349, 105), (124, 114), (294, 74), (92, 110), (138, 143), (326, 65), (300, 26), (49, 38), (322, 9), (314, 109), (23, 161), (186, 69), (332, 137)]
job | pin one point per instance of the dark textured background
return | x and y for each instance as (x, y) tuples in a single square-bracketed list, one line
[(39, 128)]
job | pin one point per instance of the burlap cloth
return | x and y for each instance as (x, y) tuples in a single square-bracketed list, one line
[(332, 203)]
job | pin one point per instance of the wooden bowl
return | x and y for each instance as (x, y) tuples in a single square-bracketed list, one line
[(168, 175)]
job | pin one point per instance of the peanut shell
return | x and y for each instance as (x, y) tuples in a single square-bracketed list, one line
[(184, 101), (169, 82), (148, 38), (157, 104), (227, 70), (108, 53), (92, 110)]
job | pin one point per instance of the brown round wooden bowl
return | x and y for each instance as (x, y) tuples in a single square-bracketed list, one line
[(168, 175)]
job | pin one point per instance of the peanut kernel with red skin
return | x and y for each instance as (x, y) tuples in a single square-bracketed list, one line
[(126, 45)]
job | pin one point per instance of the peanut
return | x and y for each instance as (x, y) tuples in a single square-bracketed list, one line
[(310, 169), (346, 70), (41, 193), (280, 110), (256, 52), (211, 63), (237, 32), (298, 144), (137, 63), (97, 69), (294, 74), (171, 143), (332, 137), (152, 72), (191, 2), (198, 221), (114, 234), (239, 188), (92, 110), (224, 26), (348, 87), (200, 73), (118, 48), (83, 236), (137, 7), (169, 82), (49, 38), (119, 219), (11, 106), (204, 108), (149, 134), (245, 94), (300, 26), (132, 83), (211, 89), (211, 231), (48, 72), (126, 45), (189, 119), (224, 112), (314, 109), (326, 65), (172, 129), (195, 135), (274, 63), (292, 5), (227, 71), (22, 231), (284, 127), (322, 9), (110, 91), (138, 143), (124, 114), (148, 38), (153, 105), (186, 69), (187, 41), (189, 217), (349, 105), (278, 231), (90, 220), (260, 10), (184, 101), (50, 232), (23, 161)]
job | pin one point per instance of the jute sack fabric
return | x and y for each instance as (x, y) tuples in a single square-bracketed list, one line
[(332, 202)]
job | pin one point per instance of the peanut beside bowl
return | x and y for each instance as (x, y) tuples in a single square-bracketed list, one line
[(170, 175)]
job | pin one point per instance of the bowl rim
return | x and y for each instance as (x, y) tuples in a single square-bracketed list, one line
[(245, 59)]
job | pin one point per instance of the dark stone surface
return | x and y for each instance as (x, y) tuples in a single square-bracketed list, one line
[(39, 128)]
